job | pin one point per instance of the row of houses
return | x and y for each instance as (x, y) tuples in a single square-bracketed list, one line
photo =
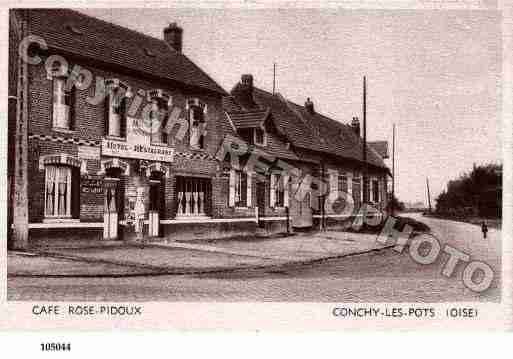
[(114, 134)]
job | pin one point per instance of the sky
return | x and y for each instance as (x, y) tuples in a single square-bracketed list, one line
[(435, 74)]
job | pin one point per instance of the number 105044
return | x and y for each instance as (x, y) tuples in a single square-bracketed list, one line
[(49, 347)]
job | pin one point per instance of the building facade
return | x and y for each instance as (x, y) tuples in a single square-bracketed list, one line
[(115, 135)]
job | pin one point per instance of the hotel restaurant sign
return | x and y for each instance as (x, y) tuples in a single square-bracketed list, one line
[(126, 149)]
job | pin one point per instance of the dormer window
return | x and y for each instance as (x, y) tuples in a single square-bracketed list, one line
[(115, 102), (197, 111), (259, 137), (254, 136), (158, 115)]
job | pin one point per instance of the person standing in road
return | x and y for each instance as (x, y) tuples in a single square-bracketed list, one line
[(484, 229)]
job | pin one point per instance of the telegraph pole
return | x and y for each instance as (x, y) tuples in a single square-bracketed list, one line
[(393, 170), (274, 77), (365, 169), (428, 194)]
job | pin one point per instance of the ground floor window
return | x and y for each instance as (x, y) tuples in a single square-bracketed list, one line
[(61, 191), (277, 190), (240, 189), (342, 183), (193, 196)]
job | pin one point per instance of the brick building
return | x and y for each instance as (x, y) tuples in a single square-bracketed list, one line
[(325, 152), (113, 133)]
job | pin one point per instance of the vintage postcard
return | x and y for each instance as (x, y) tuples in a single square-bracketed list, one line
[(254, 166)]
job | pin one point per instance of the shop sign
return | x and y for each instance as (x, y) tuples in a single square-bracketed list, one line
[(88, 152), (125, 149), (91, 185)]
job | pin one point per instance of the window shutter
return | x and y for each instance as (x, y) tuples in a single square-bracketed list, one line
[(249, 189), (122, 117), (272, 192), (243, 189), (286, 190), (71, 96), (378, 183), (231, 191), (75, 193), (107, 113)]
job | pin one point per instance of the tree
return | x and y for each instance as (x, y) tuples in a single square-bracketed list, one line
[(478, 192)]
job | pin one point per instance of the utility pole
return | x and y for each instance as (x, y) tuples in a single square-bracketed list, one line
[(428, 194), (19, 232), (393, 171), (274, 77), (365, 169)]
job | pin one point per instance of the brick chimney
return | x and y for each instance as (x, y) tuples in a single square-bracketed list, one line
[(309, 105), (355, 125), (244, 92), (173, 36)]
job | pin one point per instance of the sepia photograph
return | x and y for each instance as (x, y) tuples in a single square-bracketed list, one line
[(193, 154)]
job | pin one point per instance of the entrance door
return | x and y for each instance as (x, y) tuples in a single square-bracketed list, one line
[(156, 205), (110, 210), (300, 211), (260, 196)]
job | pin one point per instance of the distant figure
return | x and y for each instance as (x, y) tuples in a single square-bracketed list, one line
[(484, 229)]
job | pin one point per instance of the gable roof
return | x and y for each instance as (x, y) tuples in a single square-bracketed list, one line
[(250, 119), (71, 31), (313, 131)]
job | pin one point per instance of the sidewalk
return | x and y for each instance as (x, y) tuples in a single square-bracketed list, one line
[(175, 257)]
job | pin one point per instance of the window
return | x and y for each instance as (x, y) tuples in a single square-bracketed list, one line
[(116, 111), (240, 189), (247, 135), (253, 136), (259, 136), (342, 183), (277, 190), (62, 104), (158, 116), (197, 123), (115, 108), (61, 196), (375, 191), (193, 196)]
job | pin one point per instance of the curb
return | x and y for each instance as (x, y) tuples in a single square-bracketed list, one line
[(160, 271)]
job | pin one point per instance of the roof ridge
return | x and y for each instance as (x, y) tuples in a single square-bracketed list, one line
[(141, 39), (302, 106), (114, 25)]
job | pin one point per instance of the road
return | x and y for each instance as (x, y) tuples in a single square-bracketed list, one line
[(385, 276)]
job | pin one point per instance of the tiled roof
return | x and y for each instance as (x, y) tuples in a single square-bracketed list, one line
[(249, 119), (314, 131), (83, 35), (381, 147), (230, 104)]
